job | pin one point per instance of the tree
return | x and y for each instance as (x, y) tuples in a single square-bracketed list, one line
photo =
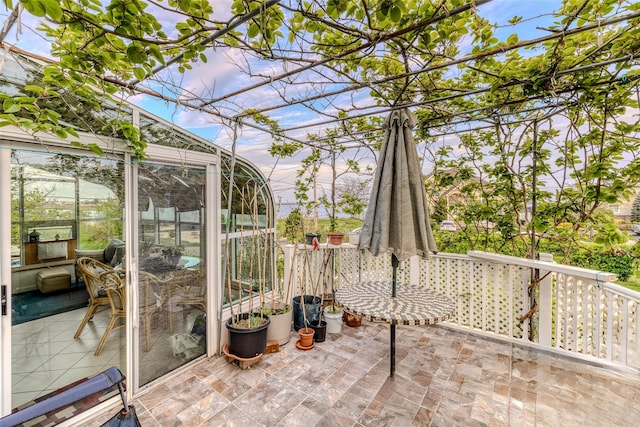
[(353, 195), (442, 59), (635, 209)]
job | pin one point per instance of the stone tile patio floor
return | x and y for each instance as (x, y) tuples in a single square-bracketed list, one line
[(443, 378)]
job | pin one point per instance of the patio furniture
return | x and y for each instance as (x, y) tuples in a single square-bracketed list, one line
[(104, 381), (91, 269), (185, 288), (111, 255), (116, 296), (53, 279), (151, 299), (411, 305)]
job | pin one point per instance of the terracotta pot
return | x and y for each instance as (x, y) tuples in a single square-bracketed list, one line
[(335, 238), (306, 336), (352, 320)]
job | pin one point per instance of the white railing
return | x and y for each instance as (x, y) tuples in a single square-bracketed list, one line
[(578, 311)]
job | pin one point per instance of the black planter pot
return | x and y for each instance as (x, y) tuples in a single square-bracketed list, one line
[(247, 343), (308, 238), (320, 331), (312, 309)]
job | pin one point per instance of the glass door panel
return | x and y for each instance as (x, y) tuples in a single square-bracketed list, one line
[(62, 205), (172, 269)]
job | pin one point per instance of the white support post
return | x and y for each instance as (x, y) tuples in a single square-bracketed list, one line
[(545, 303)]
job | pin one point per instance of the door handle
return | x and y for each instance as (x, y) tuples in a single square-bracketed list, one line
[(3, 300)]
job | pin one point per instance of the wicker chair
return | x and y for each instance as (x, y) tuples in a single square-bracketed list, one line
[(186, 288), (117, 301), (152, 298), (91, 269)]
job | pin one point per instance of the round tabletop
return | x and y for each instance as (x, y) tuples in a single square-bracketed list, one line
[(412, 305)]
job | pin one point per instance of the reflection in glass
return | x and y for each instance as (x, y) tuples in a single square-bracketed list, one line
[(171, 259), (61, 203)]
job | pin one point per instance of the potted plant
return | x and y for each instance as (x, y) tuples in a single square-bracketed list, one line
[(247, 334), (309, 237), (172, 254), (247, 329), (333, 312), (306, 338), (272, 301), (280, 314), (305, 332), (307, 308), (354, 236), (34, 236), (333, 315)]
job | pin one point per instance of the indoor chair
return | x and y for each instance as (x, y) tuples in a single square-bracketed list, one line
[(91, 269)]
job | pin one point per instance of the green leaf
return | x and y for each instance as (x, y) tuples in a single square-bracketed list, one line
[(9, 106), (34, 88), (253, 30), (35, 7), (95, 148), (396, 13), (136, 54), (53, 9), (140, 73)]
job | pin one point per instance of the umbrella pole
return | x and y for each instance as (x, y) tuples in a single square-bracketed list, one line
[(394, 265)]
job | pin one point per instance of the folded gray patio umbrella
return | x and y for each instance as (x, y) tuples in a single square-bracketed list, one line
[(397, 218)]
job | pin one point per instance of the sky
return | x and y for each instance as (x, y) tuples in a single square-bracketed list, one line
[(220, 76)]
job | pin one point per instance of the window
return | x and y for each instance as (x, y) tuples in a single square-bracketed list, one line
[(61, 196)]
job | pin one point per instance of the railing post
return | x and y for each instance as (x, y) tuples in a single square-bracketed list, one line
[(414, 271), (545, 319)]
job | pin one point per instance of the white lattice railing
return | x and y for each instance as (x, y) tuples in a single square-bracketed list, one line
[(579, 311)]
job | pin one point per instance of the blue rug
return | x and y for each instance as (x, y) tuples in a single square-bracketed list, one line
[(34, 305)]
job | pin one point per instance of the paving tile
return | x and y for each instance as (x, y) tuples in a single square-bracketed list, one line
[(444, 377)]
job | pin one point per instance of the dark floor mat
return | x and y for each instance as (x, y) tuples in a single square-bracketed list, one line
[(33, 305)]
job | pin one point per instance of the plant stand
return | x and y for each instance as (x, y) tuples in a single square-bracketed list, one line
[(244, 363)]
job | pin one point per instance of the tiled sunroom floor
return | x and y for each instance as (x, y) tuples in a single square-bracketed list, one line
[(443, 378)]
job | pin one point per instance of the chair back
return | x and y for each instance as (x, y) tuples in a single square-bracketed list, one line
[(191, 281), (91, 269), (150, 292), (114, 287)]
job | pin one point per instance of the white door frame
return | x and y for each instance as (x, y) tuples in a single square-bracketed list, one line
[(211, 163), (5, 278)]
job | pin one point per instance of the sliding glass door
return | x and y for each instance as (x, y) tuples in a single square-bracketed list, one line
[(60, 205), (173, 252)]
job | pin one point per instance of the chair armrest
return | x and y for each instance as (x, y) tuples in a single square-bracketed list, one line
[(91, 253)]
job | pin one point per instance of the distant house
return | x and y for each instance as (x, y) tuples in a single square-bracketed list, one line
[(622, 211)]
